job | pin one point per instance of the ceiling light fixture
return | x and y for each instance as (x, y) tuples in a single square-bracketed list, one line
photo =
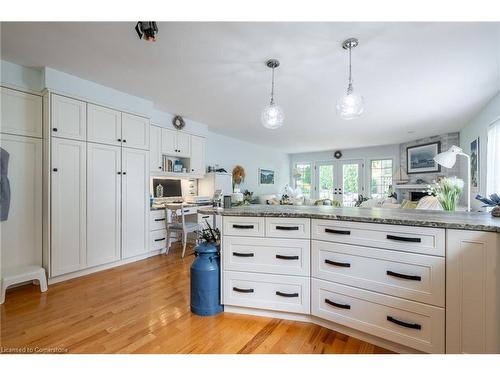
[(351, 105), (272, 116), (147, 30)]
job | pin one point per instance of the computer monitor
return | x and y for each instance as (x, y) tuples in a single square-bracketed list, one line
[(171, 188)]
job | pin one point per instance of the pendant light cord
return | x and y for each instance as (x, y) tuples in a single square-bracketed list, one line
[(349, 87), (272, 88)]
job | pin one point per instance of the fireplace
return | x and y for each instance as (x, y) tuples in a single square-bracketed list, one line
[(416, 195)]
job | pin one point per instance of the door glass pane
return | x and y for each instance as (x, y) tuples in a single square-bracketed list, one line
[(303, 178), (350, 184), (325, 187)]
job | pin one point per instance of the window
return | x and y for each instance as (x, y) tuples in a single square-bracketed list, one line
[(381, 177), (303, 178), (325, 173), (493, 161)]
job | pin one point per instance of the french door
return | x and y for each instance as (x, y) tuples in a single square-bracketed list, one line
[(339, 180)]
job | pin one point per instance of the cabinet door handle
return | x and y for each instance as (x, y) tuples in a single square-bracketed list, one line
[(239, 226), (243, 255), (54, 129), (404, 239), (159, 167), (338, 264), (337, 231), (339, 305), (124, 172), (162, 219), (287, 257), (288, 295), (119, 172), (205, 217), (240, 290), (54, 169), (403, 276), (280, 227), (160, 239), (119, 139), (404, 324), (124, 141)]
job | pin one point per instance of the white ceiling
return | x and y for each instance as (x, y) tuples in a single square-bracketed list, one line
[(418, 79)]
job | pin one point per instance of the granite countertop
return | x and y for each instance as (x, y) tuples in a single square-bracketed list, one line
[(481, 221)]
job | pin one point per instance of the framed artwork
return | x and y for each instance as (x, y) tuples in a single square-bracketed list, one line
[(420, 158), (474, 164), (266, 177)]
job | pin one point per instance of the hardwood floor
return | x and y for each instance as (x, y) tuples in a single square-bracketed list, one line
[(143, 307)]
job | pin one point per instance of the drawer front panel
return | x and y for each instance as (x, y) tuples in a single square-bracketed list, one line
[(272, 292), (283, 227), (267, 255), (157, 240), (157, 220), (243, 226), (409, 323), (412, 276), (395, 237)]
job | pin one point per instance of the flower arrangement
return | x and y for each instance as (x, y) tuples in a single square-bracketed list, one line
[(447, 191), (238, 175), (492, 201)]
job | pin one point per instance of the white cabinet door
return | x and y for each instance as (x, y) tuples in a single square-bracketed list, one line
[(21, 113), (21, 233), (472, 292), (104, 125), (69, 201), (103, 203), (155, 149), (135, 131), (135, 205), (183, 145), (69, 118), (169, 142), (197, 156)]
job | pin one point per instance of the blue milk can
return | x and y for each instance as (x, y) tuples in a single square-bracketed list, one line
[(205, 280)]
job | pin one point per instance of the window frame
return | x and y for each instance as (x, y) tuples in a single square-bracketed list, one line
[(370, 177), (311, 165)]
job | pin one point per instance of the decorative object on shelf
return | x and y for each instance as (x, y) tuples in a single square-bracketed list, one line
[(177, 166), (178, 122), (420, 158), (351, 105), (205, 273), (247, 197), (492, 201), (474, 164), (147, 30), (448, 159), (237, 197), (447, 191), (266, 177), (159, 191), (272, 116), (360, 200), (238, 175), (337, 154), (400, 177)]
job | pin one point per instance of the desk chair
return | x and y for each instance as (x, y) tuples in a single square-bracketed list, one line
[(178, 224)]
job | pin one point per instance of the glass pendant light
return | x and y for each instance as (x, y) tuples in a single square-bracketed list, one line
[(350, 105), (272, 116)]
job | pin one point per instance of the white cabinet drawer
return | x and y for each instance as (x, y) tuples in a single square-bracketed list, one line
[(243, 226), (412, 276), (413, 324), (272, 292), (267, 255), (288, 227), (157, 220), (395, 237), (157, 240)]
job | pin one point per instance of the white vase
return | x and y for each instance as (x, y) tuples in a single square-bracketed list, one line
[(237, 196)]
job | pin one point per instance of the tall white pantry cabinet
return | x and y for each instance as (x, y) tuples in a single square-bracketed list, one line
[(98, 178)]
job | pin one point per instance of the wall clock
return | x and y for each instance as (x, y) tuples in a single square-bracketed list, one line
[(178, 122), (337, 154)]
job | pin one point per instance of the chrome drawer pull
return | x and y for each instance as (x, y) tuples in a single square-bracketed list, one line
[(239, 290), (404, 324), (337, 231), (160, 239), (287, 257), (280, 227), (403, 239), (160, 219), (289, 295), (338, 264), (239, 226), (339, 305), (244, 255), (403, 276)]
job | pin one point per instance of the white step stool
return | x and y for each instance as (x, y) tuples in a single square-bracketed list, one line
[(20, 275)]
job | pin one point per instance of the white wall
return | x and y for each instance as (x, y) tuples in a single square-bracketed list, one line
[(228, 152), (478, 127), (21, 77)]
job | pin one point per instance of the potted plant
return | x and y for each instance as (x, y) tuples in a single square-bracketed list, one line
[(447, 191), (493, 201)]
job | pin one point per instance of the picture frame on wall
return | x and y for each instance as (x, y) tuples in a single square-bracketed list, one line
[(474, 165), (266, 176), (420, 158)]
